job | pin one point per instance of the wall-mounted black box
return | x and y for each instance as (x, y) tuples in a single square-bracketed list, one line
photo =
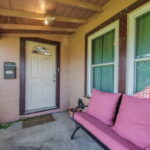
[(9, 70)]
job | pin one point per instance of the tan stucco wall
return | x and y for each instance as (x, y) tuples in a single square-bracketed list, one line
[(77, 52), (72, 63), (9, 89)]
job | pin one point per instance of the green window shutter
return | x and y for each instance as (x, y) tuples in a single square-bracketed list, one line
[(108, 47), (103, 52), (103, 78), (97, 78), (97, 47), (107, 78), (142, 67), (143, 36)]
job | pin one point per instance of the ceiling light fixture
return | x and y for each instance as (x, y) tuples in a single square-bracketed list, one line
[(49, 20)]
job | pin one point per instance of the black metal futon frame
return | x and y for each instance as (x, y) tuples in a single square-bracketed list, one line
[(81, 106)]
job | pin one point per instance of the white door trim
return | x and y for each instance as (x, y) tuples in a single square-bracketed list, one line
[(131, 31), (112, 26)]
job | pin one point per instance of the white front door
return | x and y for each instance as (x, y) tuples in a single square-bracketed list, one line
[(40, 77)]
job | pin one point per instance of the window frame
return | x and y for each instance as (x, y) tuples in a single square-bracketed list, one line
[(131, 45), (113, 26)]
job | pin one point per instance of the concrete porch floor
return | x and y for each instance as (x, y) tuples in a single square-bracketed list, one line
[(50, 136)]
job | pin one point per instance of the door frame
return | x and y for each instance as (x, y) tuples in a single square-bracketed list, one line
[(23, 41)]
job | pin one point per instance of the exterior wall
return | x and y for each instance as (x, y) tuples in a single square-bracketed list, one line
[(72, 64), (77, 49), (9, 89)]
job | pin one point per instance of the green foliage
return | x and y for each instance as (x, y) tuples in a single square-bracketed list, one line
[(7, 125)]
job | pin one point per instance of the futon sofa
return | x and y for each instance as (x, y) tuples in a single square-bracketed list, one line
[(115, 126)]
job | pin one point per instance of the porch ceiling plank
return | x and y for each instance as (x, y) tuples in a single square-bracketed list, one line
[(31, 27), (16, 13), (33, 32), (69, 19), (5, 4), (78, 3), (29, 6), (15, 4)]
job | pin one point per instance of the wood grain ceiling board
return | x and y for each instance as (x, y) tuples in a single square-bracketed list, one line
[(16, 4), (65, 25), (41, 6), (60, 10), (84, 14), (27, 21), (91, 1), (97, 2), (103, 2), (77, 12), (81, 13), (69, 11), (31, 15), (4, 4), (34, 31), (38, 6), (51, 7), (79, 4), (46, 7), (34, 27), (29, 6), (19, 20)]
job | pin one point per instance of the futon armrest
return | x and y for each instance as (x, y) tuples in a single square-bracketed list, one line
[(79, 109)]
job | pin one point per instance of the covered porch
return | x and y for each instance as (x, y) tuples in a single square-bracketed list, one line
[(55, 52)]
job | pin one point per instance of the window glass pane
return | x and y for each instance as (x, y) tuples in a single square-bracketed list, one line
[(108, 47), (97, 50), (142, 75), (143, 36), (107, 78), (97, 78), (103, 48), (103, 78)]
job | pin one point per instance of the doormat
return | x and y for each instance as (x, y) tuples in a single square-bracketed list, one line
[(39, 120)]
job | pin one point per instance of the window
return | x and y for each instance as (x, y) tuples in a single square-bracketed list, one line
[(138, 64), (103, 60)]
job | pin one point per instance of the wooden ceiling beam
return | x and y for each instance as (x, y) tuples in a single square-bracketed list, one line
[(68, 19), (16, 13), (78, 3), (31, 27), (34, 35), (33, 32)]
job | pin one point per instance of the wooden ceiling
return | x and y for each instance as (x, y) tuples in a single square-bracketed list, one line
[(27, 16)]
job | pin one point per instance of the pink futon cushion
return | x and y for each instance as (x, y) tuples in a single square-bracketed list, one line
[(104, 132), (103, 105), (133, 121)]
